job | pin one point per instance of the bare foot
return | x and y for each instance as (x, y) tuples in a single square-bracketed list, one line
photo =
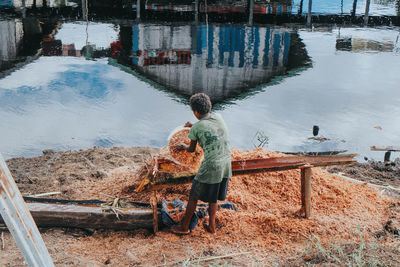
[(208, 228), (178, 230)]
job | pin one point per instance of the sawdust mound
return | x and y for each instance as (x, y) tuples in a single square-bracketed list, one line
[(186, 158), (270, 205), (267, 218)]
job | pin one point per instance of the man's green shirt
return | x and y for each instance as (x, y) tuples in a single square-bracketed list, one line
[(212, 135)]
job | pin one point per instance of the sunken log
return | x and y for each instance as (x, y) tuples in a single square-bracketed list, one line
[(90, 216)]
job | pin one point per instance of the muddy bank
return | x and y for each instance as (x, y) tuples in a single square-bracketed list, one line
[(78, 174), (375, 172)]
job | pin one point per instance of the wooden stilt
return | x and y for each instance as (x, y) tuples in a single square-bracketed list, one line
[(153, 203), (303, 199), (306, 191)]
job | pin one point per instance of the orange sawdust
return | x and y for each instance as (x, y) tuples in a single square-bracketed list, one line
[(268, 215), (190, 159)]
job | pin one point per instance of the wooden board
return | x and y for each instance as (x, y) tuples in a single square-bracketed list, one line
[(385, 148)]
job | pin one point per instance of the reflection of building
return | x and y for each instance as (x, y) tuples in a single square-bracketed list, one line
[(272, 7), (221, 6), (360, 44), (10, 41), (165, 5), (366, 39), (222, 61)]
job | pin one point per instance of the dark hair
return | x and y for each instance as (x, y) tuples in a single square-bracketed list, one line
[(200, 103)]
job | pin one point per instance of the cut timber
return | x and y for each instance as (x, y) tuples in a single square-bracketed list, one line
[(90, 216), (291, 162), (385, 148), (158, 178)]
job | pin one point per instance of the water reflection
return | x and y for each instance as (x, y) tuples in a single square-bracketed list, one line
[(222, 61), (65, 101), (364, 40), (10, 41), (92, 40), (19, 38), (349, 7)]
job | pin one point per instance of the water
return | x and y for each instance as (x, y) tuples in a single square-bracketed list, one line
[(113, 83)]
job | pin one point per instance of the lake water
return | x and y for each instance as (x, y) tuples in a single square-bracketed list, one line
[(111, 83)]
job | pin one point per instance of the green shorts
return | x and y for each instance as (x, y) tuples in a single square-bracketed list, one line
[(209, 192)]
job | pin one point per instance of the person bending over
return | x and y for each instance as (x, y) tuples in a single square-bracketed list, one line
[(211, 181)]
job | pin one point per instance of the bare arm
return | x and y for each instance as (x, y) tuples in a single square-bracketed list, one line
[(188, 124), (190, 148)]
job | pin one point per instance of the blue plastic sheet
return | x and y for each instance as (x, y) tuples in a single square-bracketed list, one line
[(179, 206)]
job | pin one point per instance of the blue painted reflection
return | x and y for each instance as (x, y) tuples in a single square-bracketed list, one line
[(222, 61)]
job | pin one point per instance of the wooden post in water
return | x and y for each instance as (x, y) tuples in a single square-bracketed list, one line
[(309, 12), (251, 11), (366, 12), (353, 12), (196, 11), (85, 9), (300, 11), (306, 190), (138, 7)]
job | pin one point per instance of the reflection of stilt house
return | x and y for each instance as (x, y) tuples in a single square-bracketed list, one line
[(10, 41), (221, 61)]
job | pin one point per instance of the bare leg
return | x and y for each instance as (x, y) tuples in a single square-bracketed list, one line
[(212, 209), (190, 209), (183, 227)]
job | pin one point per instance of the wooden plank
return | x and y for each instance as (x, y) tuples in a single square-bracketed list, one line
[(252, 164), (163, 179), (385, 148), (19, 221)]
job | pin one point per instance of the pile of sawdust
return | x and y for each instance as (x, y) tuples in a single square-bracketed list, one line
[(268, 214), (184, 157), (268, 207), (269, 204)]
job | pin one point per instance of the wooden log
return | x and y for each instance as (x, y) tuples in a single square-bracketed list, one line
[(385, 148), (90, 216), (306, 190)]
